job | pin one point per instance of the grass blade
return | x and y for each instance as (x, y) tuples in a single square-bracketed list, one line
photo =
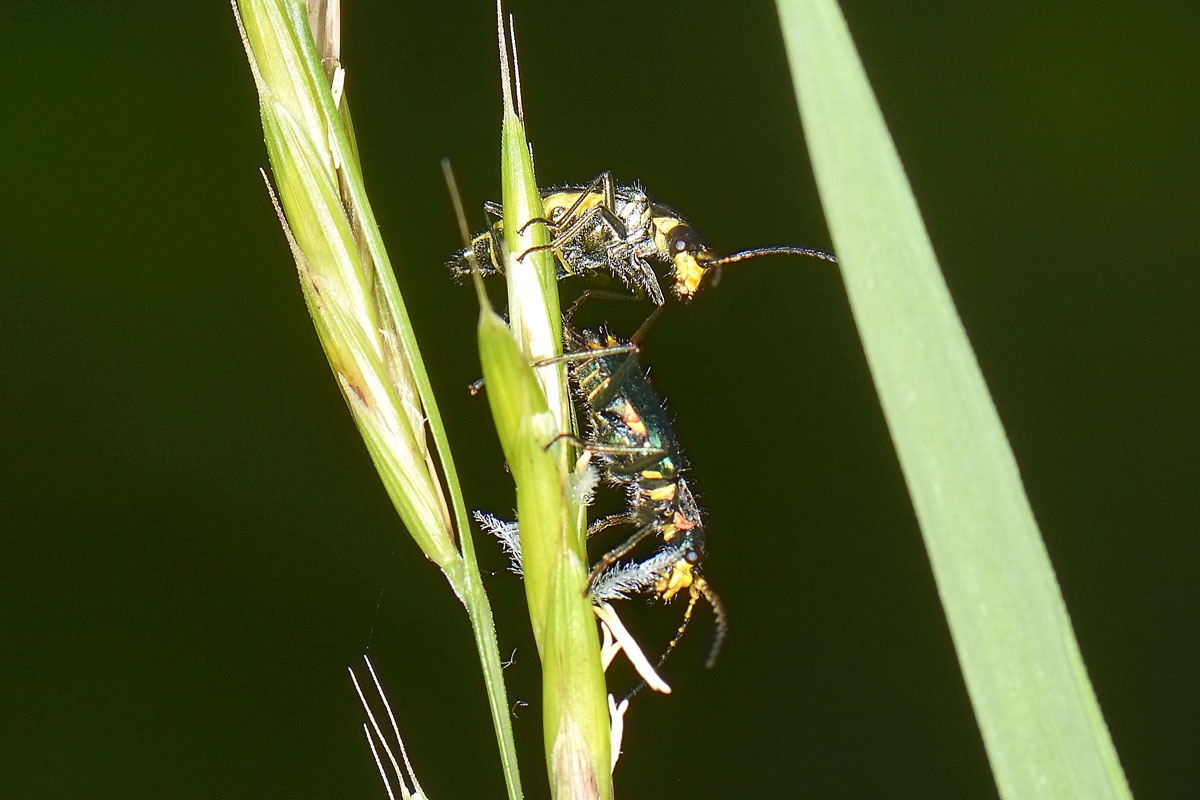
[(1041, 724)]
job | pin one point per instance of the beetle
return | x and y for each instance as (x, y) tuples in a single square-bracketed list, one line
[(603, 227)]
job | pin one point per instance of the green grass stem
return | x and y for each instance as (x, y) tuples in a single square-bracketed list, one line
[(530, 408), (356, 307)]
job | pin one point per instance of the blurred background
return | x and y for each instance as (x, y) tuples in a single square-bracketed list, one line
[(196, 545)]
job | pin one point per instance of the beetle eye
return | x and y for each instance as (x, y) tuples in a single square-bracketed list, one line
[(684, 240)]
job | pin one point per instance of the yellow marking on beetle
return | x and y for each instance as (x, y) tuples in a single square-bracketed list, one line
[(663, 226), (679, 579), (689, 272), (631, 418), (493, 256), (663, 493), (684, 523), (593, 368), (560, 201), (594, 393)]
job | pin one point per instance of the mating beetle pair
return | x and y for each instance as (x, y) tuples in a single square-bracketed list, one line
[(600, 228)]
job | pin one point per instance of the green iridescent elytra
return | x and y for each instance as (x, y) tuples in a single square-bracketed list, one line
[(630, 435)]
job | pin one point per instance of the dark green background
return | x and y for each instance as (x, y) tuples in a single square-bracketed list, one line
[(195, 543)]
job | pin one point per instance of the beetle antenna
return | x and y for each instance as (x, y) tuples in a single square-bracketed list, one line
[(743, 255)]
